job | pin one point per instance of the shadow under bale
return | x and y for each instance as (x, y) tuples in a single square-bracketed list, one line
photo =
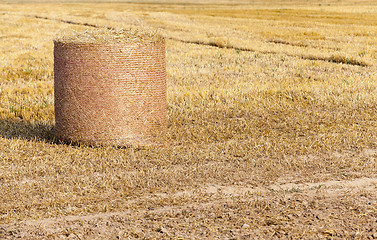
[(15, 128)]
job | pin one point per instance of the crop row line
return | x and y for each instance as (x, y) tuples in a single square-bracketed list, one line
[(333, 59)]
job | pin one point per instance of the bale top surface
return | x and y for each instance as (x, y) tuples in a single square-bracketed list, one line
[(110, 36)]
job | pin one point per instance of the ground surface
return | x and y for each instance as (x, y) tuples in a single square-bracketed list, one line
[(272, 126), (323, 210)]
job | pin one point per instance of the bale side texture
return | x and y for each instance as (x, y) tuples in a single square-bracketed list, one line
[(110, 94)]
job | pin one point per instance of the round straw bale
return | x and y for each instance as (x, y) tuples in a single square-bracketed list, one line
[(110, 87)]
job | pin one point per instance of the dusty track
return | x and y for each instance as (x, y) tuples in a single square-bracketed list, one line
[(307, 210)]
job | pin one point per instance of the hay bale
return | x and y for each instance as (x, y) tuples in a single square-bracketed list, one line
[(110, 87)]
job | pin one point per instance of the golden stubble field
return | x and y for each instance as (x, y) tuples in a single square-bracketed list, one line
[(272, 125)]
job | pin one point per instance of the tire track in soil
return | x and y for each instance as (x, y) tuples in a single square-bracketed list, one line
[(106, 222)]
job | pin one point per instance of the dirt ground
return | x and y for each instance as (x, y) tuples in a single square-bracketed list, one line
[(343, 209)]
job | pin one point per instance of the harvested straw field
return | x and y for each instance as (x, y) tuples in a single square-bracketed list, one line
[(272, 125)]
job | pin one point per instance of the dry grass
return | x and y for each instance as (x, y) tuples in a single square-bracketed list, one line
[(258, 93)]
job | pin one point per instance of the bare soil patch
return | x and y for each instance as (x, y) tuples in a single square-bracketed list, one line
[(323, 210)]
